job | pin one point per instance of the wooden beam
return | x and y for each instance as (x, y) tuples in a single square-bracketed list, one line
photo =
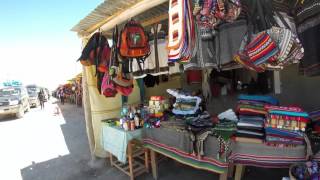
[(155, 20), (125, 15)]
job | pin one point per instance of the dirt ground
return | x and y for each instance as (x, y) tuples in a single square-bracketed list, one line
[(47, 146)]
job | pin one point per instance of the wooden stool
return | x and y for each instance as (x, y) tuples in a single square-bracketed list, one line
[(137, 160)]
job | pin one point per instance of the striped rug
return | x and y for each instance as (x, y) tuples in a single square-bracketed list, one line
[(205, 163)]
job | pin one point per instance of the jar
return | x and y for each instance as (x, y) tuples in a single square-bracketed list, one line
[(132, 124)]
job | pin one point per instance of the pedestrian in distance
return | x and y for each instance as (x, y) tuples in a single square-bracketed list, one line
[(62, 97), (41, 98)]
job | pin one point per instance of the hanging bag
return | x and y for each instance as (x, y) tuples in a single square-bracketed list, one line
[(122, 80), (133, 44), (108, 88)]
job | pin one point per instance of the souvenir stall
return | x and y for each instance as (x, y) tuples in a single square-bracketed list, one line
[(199, 82)]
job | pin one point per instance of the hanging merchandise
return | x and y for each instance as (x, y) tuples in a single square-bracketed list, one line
[(104, 58), (133, 44), (182, 36), (210, 13), (273, 46), (194, 76), (92, 54), (122, 79), (219, 33), (307, 18), (108, 88), (91, 46)]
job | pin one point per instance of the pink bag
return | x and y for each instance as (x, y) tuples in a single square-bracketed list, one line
[(107, 88)]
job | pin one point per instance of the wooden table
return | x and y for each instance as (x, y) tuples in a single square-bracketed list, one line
[(138, 160)]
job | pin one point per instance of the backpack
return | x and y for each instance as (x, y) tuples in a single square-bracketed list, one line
[(90, 52), (103, 57), (133, 44)]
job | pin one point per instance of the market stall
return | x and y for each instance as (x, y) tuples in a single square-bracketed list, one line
[(209, 85)]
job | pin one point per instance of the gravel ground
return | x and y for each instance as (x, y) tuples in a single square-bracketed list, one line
[(46, 146)]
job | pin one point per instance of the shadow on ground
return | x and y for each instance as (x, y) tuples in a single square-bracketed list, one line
[(74, 166)]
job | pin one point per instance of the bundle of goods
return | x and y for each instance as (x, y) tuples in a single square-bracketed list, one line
[(268, 44), (308, 170), (252, 117), (157, 105), (285, 125), (210, 13), (224, 131), (315, 118), (185, 104), (156, 111), (181, 37), (132, 117)]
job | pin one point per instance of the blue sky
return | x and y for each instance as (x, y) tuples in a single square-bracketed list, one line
[(36, 43)]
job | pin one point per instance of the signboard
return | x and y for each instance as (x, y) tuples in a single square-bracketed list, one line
[(12, 83)]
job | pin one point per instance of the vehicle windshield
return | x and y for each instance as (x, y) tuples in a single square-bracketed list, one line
[(9, 92), (32, 92)]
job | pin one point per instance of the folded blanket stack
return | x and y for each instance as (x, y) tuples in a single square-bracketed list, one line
[(283, 136), (285, 125), (315, 118), (315, 115), (252, 115)]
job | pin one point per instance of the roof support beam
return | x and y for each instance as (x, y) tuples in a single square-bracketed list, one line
[(127, 14)]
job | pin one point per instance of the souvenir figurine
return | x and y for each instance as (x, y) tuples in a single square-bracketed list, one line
[(137, 121)]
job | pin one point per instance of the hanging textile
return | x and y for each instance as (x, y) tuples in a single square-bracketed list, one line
[(181, 31), (307, 16)]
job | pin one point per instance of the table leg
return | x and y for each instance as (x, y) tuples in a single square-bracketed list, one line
[(230, 170), (239, 171), (154, 165), (223, 176), (130, 158), (146, 159), (111, 159)]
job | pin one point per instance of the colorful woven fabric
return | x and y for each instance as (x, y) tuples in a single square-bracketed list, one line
[(288, 113), (315, 115), (262, 49), (205, 163), (264, 99), (283, 108), (248, 111)]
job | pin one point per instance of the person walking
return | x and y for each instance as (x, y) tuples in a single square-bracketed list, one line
[(62, 96), (41, 98)]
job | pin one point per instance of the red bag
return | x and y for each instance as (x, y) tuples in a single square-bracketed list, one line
[(90, 52), (133, 41)]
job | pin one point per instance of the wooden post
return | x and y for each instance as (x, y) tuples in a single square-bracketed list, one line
[(239, 171), (230, 170), (111, 159), (146, 159), (223, 176), (154, 164), (130, 159), (87, 109)]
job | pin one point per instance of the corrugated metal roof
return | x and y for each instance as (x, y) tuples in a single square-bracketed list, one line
[(109, 8)]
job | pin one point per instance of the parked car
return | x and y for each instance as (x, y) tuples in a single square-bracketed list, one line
[(33, 91), (33, 98), (14, 100)]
